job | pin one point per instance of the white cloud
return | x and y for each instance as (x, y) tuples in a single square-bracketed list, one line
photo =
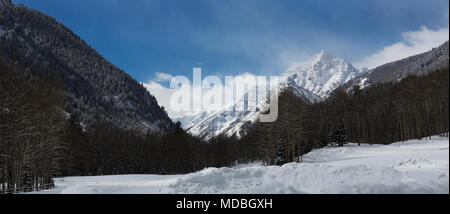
[(163, 94), (415, 42), (162, 77)]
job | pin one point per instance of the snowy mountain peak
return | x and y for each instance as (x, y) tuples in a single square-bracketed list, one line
[(313, 80), (320, 75), (324, 55), (319, 62)]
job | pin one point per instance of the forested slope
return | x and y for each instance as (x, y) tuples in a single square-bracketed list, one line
[(94, 86), (382, 113)]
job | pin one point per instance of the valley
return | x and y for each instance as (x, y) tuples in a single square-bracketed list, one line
[(84, 91), (415, 166)]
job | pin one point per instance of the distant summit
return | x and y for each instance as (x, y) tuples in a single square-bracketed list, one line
[(312, 80), (319, 75)]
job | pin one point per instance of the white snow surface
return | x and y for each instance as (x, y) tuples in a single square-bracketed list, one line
[(415, 166)]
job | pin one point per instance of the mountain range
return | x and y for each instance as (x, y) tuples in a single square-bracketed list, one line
[(314, 80)]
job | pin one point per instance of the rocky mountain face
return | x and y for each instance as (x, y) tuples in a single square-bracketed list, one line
[(229, 121), (319, 75), (94, 87), (420, 64), (312, 80)]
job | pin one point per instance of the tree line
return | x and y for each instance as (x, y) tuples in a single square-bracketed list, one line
[(105, 149), (39, 140), (413, 108)]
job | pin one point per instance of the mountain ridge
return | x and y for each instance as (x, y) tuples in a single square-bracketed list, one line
[(312, 80), (95, 87), (420, 64)]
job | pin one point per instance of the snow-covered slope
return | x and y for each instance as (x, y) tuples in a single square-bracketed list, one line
[(228, 121), (190, 119), (314, 80), (419, 65), (320, 75), (416, 166)]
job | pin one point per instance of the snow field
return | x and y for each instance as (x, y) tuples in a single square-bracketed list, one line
[(416, 166)]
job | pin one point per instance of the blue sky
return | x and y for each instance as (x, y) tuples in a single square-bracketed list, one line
[(263, 37), (236, 36)]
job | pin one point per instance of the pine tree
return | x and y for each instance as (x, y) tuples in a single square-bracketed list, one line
[(280, 158), (338, 134)]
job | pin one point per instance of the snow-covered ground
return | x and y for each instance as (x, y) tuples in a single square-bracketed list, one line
[(416, 166)]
